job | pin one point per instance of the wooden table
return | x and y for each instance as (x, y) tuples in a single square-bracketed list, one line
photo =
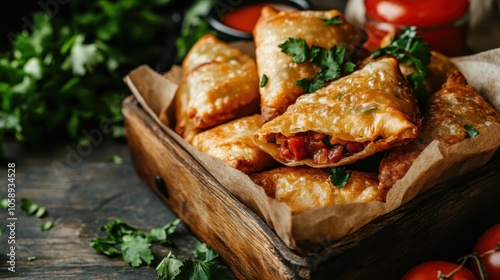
[(89, 194)]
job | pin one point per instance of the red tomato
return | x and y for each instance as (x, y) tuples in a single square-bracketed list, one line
[(429, 271), (488, 241), (297, 145)]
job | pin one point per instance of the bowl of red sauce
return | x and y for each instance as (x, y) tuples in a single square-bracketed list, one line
[(235, 19)]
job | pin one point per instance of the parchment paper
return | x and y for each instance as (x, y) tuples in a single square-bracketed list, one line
[(437, 163)]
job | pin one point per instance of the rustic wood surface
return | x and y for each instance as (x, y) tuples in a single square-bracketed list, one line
[(90, 194)]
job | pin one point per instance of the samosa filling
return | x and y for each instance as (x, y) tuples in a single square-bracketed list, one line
[(313, 145)]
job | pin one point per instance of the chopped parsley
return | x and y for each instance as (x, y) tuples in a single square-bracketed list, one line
[(116, 159), (47, 225), (133, 244), (410, 49), (32, 208), (32, 258), (471, 131), (339, 176), (333, 21), (264, 80), (171, 268), (331, 61)]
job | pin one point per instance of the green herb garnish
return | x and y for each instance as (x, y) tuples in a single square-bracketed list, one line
[(32, 208), (264, 81), (116, 159), (339, 176), (297, 49), (333, 21), (47, 225), (331, 61), (410, 49), (471, 131), (133, 244), (32, 258), (171, 268)]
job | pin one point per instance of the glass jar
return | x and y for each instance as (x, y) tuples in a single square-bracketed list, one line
[(441, 23)]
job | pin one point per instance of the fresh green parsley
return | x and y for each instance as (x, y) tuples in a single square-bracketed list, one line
[(331, 61), (264, 80), (133, 244), (4, 203), (47, 225), (32, 208), (116, 159), (136, 250), (297, 49), (171, 268), (333, 21), (32, 258), (339, 176), (410, 49), (471, 131)]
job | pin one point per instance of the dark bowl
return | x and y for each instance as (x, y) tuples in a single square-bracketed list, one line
[(222, 7)]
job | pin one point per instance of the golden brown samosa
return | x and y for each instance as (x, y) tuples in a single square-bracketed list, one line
[(219, 84), (232, 142), (274, 28), (450, 110), (306, 188), (370, 110)]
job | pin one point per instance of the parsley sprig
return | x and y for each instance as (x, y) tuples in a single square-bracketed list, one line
[(339, 176), (171, 268), (331, 61), (410, 49), (133, 244)]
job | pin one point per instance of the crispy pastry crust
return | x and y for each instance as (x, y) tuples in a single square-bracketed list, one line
[(305, 188), (373, 106), (449, 110), (274, 28), (232, 142), (219, 84)]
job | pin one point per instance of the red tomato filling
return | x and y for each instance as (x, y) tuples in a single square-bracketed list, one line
[(313, 145)]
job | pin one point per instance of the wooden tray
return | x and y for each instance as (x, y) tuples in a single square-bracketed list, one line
[(441, 223)]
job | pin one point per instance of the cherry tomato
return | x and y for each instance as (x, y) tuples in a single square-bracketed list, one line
[(429, 271), (488, 241)]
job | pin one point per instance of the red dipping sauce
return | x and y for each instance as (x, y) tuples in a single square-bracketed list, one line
[(244, 18), (441, 23)]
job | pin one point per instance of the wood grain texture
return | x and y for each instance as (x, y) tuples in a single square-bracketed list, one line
[(93, 194), (442, 223)]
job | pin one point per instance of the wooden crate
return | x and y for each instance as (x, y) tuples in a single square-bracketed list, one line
[(441, 223)]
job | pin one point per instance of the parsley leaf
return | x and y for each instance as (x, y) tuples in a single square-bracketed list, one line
[(47, 225), (339, 176), (410, 49), (333, 21), (204, 252), (116, 159), (471, 131), (297, 49), (264, 81), (169, 267), (133, 244), (136, 250), (32, 208), (331, 61), (4, 203), (310, 85)]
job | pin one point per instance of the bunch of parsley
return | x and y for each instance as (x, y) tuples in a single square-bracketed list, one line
[(65, 74)]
